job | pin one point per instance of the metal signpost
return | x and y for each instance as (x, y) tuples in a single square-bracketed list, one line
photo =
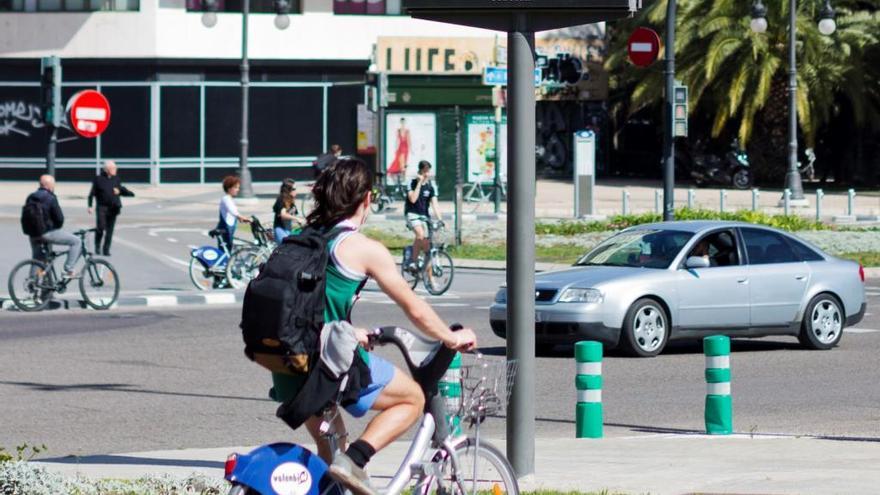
[(521, 20)]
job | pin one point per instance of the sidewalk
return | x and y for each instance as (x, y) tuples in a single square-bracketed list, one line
[(554, 199), (655, 464)]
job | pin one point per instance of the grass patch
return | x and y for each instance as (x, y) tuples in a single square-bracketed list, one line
[(869, 258), (617, 222)]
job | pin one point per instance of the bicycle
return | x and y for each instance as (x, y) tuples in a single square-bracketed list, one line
[(436, 270), (478, 193), (33, 283), (441, 460), (380, 198), (245, 261)]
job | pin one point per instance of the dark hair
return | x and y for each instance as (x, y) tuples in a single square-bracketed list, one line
[(338, 192), (287, 188), (230, 181), (424, 165)]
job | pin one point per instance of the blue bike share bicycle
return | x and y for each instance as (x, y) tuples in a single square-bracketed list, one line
[(440, 459)]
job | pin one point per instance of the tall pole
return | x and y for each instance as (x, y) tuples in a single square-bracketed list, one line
[(793, 177), (497, 178), (521, 247), (247, 189), (668, 137), (51, 148)]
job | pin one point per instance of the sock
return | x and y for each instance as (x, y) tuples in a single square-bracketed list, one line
[(360, 453)]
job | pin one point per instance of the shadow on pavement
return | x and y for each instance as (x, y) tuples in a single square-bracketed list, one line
[(131, 460), (122, 387)]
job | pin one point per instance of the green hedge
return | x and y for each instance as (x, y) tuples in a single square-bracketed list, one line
[(617, 222)]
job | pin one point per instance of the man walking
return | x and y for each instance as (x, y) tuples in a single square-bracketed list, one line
[(107, 189), (50, 219)]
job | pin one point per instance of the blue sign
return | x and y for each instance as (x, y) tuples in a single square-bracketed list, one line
[(497, 76)]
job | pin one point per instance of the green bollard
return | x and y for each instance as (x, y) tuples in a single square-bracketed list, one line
[(588, 414), (719, 406), (450, 390)]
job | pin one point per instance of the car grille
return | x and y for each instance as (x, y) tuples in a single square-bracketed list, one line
[(555, 328), (545, 295)]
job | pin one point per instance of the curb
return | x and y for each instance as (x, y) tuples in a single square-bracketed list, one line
[(468, 217), (152, 301)]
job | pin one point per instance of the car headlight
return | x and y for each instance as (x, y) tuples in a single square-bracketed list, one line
[(501, 296), (581, 296)]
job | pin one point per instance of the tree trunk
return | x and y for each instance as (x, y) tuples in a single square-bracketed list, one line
[(769, 143)]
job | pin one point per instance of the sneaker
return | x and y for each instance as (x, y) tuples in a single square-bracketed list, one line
[(68, 276), (346, 472), (412, 267)]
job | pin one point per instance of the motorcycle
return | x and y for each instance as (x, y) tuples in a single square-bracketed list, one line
[(732, 169)]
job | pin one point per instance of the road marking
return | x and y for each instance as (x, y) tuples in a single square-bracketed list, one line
[(176, 261), (171, 239), (481, 307), (154, 232), (860, 330), (449, 305)]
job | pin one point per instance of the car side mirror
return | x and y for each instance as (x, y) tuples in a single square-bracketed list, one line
[(696, 262)]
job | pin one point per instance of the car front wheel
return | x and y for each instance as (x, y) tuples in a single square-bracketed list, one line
[(823, 323), (645, 329)]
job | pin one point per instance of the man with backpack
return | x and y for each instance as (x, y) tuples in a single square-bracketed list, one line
[(41, 221)]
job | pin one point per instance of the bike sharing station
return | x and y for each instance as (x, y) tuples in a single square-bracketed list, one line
[(521, 20)]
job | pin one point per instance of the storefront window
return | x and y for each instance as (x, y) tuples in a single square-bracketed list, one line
[(68, 5), (257, 6), (366, 7)]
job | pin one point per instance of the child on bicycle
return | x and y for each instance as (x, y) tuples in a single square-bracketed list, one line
[(420, 198), (342, 195), (229, 214)]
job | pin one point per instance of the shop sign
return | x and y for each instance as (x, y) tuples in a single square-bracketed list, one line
[(414, 55)]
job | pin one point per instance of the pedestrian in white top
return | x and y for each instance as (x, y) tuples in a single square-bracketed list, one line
[(229, 214)]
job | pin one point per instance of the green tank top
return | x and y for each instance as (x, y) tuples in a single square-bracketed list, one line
[(339, 296)]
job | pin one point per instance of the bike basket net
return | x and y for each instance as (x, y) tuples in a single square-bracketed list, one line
[(485, 388)]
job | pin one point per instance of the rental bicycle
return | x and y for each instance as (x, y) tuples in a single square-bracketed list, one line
[(33, 283), (434, 268), (441, 460), (245, 261), (478, 194)]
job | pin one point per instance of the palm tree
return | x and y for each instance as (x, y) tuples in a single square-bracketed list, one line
[(738, 78)]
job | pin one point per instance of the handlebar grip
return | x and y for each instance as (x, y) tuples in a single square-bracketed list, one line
[(456, 327)]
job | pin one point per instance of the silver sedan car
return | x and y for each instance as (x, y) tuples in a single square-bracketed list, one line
[(678, 280)]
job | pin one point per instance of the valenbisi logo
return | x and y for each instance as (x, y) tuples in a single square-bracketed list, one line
[(291, 478)]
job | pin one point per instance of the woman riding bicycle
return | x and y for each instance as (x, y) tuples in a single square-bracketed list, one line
[(229, 215), (286, 214), (342, 195), (420, 199)]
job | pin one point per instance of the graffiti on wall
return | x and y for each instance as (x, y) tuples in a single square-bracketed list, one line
[(19, 117)]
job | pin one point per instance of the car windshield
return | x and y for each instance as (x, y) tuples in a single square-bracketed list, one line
[(638, 248)]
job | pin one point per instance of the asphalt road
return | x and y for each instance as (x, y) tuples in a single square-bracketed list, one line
[(84, 382)]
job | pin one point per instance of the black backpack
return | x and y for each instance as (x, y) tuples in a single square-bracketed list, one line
[(33, 217), (283, 309)]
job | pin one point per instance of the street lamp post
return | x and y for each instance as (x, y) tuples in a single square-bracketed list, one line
[(827, 26), (282, 21)]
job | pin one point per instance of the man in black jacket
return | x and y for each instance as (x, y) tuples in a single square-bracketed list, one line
[(54, 220), (107, 188)]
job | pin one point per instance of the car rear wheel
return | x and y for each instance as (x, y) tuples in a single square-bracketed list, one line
[(645, 329), (823, 323)]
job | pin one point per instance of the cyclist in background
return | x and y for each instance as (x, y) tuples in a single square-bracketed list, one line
[(342, 199), (53, 220), (229, 214), (419, 200)]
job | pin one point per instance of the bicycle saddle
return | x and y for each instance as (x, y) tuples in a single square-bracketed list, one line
[(216, 232)]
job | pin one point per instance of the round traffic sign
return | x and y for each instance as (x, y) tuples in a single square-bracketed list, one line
[(89, 113), (643, 46)]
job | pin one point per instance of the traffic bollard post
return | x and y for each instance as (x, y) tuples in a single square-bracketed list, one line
[(756, 194), (692, 196), (819, 195), (658, 202), (625, 202), (450, 390), (722, 200), (719, 405), (786, 200), (588, 412), (851, 202)]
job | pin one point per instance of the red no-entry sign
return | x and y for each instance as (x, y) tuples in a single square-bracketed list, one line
[(643, 46), (89, 113)]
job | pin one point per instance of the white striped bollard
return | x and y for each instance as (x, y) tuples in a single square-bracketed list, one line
[(625, 202), (692, 195), (756, 194), (719, 405), (588, 413), (722, 200), (819, 195)]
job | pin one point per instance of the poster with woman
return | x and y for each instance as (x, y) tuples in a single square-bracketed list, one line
[(481, 139), (409, 138)]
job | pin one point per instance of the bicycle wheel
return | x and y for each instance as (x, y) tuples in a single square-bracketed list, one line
[(244, 265), (99, 284), (411, 277), (306, 204), (480, 470), (439, 273), (200, 276), (474, 199), (31, 285)]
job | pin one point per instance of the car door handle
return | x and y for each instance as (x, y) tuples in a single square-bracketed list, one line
[(801, 277), (742, 281)]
